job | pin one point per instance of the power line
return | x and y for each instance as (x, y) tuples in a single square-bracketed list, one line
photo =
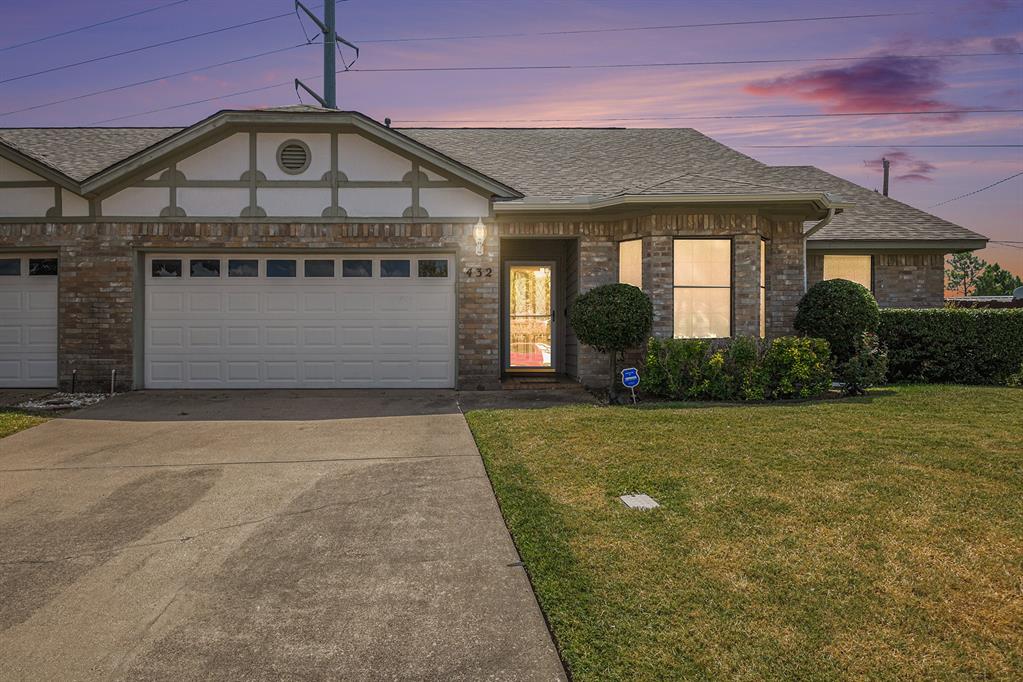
[(152, 80), (199, 101), (543, 33), (96, 25), (634, 28), (151, 46), (647, 65), (976, 191), (669, 117)]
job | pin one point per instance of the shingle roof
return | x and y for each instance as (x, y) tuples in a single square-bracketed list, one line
[(567, 163), (81, 152), (563, 164), (873, 215)]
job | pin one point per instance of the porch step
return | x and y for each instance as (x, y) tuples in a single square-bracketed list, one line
[(534, 383)]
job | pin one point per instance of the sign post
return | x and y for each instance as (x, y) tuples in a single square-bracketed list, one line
[(630, 379)]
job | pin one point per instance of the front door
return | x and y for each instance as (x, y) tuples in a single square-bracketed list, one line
[(530, 324)]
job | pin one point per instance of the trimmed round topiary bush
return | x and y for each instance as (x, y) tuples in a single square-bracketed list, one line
[(840, 312), (612, 319)]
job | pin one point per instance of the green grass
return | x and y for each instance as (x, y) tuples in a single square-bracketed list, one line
[(12, 421), (878, 537)]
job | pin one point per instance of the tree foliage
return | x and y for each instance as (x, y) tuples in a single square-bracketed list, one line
[(996, 281), (840, 312), (963, 270), (612, 319)]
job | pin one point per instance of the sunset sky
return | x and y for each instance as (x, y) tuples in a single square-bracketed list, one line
[(895, 71)]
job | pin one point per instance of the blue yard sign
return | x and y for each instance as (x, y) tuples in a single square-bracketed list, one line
[(630, 379)]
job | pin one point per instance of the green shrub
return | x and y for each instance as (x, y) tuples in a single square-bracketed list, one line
[(840, 312), (1015, 379), (867, 367), (685, 369), (953, 345), (612, 319), (796, 367), (677, 368)]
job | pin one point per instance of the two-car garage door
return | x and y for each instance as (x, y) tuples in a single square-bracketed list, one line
[(309, 321)]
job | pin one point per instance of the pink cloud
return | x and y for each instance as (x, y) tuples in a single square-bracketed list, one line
[(904, 166), (878, 84), (1006, 45)]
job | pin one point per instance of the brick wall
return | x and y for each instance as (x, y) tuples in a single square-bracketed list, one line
[(99, 262), (910, 280)]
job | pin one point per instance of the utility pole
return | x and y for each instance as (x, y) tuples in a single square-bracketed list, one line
[(886, 164), (330, 40)]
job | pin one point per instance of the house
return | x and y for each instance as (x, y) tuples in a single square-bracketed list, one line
[(305, 247)]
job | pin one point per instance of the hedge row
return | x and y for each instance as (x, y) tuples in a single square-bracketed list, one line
[(953, 345), (739, 369)]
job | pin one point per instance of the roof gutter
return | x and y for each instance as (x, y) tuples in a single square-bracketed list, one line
[(806, 235)]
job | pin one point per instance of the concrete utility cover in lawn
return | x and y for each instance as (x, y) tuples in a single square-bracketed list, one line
[(258, 535)]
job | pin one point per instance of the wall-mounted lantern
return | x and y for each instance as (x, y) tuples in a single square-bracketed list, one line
[(479, 233)]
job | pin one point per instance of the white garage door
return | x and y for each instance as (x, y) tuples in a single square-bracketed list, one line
[(309, 321), (28, 320)]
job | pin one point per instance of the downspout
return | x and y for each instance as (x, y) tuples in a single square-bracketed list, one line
[(806, 235)]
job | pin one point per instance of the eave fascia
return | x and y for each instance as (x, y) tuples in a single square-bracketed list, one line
[(819, 200), (894, 245)]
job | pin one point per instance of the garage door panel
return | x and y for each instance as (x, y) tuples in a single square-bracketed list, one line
[(10, 301), (243, 371), (319, 302), (204, 337), (242, 302), (282, 302), (281, 337), (295, 331), (10, 338)]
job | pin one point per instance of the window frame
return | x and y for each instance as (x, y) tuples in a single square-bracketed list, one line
[(731, 283), (869, 256), (763, 287), (629, 241)]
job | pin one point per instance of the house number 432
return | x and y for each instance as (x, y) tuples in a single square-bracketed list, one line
[(479, 272)]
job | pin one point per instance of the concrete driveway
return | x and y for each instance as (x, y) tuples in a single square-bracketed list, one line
[(260, 535)]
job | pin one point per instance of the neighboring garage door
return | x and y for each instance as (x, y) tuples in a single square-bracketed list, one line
[(309, 321), (28, 321)]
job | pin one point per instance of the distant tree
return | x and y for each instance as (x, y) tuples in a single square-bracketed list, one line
[(994, 281), (963, 270)]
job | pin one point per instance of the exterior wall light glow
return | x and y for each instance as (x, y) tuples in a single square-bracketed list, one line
[(479, 233)]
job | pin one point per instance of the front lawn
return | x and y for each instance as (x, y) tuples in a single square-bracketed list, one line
[(12, 421), (878, 537)]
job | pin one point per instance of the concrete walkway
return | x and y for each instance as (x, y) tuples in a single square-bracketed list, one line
[(260, 535)]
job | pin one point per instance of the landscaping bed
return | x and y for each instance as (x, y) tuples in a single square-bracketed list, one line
[(872, 537)]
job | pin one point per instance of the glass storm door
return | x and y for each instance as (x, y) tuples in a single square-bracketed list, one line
[(530, 316)]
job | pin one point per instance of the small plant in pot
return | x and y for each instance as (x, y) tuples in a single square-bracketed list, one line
[(612, 319)]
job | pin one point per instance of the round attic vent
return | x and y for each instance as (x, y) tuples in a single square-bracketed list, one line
[(293, 156)]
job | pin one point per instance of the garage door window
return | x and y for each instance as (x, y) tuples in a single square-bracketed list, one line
[(166, 268), (319, 268), (10, 267), (433, 268), (280, 268), (243, 268), (395, 268), (45, 267), (357, 268), (204, 268)]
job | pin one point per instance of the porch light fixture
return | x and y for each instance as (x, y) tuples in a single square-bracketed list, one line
[(479, 233)]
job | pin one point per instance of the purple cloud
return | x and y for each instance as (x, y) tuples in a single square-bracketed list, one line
[(904, 166), (877, 84), (1006, 45)]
